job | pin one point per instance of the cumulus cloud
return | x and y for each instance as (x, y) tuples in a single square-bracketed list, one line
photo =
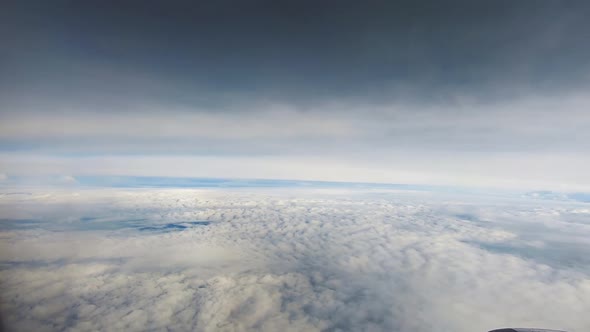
[(289, 260)]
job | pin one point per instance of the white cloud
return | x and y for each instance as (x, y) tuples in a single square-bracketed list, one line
[(290, 260)]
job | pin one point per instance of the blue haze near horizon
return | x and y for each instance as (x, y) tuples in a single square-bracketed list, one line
[(197, 182)]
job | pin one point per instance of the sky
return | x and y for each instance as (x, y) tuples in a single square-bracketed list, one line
[(489, 94)]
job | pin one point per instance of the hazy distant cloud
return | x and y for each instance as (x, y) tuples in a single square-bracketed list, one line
[(530, 122), (66, 179), (291, 260), (532, 142), (514, 171), (275, 122)]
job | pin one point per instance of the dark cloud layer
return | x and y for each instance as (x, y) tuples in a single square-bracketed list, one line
[(211, 53)]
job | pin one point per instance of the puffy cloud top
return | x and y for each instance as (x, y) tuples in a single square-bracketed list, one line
[(303, 259)]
